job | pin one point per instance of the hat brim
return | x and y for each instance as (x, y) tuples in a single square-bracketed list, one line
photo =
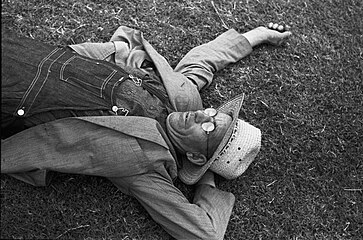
[(191, 173)]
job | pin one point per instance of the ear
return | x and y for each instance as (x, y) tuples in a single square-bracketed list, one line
[(197, 158)]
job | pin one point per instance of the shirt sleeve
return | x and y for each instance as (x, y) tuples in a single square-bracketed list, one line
[(100, 51), (200, 64), (205, 218), (124, 49), (129, 47)]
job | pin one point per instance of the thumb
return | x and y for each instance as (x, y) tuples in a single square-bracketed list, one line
[(284, 37), (286, 34)]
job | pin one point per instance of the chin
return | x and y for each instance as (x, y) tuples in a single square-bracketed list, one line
[(170, 132), (168, 126)]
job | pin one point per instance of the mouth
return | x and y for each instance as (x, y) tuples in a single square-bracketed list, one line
[(186, 118)]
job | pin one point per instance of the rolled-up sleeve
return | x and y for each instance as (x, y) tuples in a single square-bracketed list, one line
[(205, 218)]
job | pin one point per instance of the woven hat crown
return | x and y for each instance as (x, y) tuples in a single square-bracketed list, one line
[(239, 152)]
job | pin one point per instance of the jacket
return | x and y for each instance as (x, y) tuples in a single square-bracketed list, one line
[(134, 152)]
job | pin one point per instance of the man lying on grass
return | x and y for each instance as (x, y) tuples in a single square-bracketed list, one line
[(118, 110)]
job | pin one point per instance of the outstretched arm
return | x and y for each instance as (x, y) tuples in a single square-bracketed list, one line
[(200, 64), (206, 217)]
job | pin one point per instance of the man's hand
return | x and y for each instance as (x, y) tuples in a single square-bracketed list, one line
[(274, 34)]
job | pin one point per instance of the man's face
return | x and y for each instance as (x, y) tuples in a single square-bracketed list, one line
[(186, 132)]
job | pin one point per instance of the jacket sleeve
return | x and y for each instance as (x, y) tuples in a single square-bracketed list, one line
[(205, 218), (200, 64)]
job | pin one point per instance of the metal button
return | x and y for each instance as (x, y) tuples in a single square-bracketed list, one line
[(114, 108), (21, 112)]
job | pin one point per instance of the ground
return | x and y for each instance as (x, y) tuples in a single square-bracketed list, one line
[(305, 96)]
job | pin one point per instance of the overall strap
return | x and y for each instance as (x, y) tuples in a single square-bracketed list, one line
[(152, 83)]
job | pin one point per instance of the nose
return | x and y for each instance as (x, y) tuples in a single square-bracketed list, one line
[(201, 117)]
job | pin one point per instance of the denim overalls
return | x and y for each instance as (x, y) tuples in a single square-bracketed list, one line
[(41, 83)]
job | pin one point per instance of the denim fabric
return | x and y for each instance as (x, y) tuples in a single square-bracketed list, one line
[(49, 83)]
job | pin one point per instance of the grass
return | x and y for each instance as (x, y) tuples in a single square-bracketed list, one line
[(305, 96)]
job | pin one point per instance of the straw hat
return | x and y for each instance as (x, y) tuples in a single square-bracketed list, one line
[(234, 154)]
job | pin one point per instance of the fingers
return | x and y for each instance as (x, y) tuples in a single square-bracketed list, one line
[(278, 27)]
